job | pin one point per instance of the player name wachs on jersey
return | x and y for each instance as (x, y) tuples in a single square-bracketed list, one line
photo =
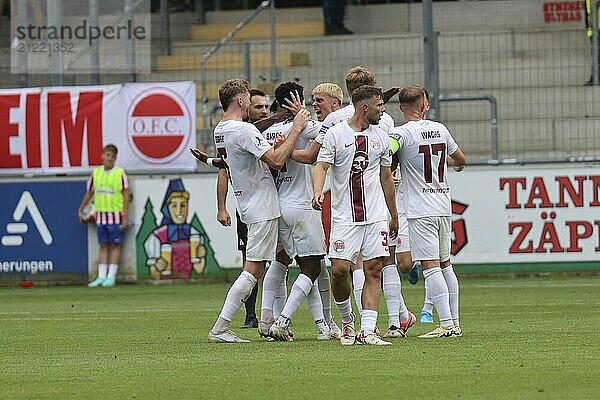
[(431, 134)]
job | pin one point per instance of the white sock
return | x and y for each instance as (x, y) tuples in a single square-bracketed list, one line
[(368, 320), (275, 274), (112, 271), (324, 284), (345, 309), (391, 292), (358, 281), (427, 303), (238, 293), (102, 271), (300, 290), (280, 296), (438, 291), (314, 303), (452, 283)]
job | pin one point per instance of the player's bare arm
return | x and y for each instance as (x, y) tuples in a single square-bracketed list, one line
[(389, 93), (307, 155), (126, 200), (318, 183), (276, 158), (222, 187), (387, 184), (204, 158), (457, 160)]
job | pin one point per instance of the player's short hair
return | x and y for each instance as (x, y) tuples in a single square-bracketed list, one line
[(359, 76), (282, 91), (230, 89), (257, 92), (112, 148), (330, 89), (365, 92), (412, 96)]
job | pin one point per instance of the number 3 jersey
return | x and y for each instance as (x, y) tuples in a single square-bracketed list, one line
[(424, 146), (242, 146), (356, 157)]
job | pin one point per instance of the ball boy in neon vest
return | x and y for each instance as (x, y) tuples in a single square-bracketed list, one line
[(110, 191)]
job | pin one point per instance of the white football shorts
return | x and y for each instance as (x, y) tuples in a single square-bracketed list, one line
[(430, 238), (401, 242), (262, 240), (301, 233), (348, 241)]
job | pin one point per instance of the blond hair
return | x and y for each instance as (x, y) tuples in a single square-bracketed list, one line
[(230, 89), (412, 96), (359, 76), (330, 89)]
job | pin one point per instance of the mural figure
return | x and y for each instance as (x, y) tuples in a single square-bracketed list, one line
[(176, 247)]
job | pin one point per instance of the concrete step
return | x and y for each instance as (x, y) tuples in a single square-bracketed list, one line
[(224, 61), (255, 30)]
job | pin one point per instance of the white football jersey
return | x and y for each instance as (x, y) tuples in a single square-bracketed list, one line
[(343, 114), (242, 146), (356, 157), (294, 180), (424, 145)]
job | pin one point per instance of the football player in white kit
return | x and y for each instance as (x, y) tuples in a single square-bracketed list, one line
[(423, 148), (356, 77), (358, 153), (300, 228), (247, 152)]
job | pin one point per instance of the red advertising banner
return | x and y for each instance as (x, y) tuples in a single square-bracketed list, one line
[(63, 129)]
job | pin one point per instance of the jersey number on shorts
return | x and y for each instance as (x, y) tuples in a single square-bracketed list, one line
[(437, 149), (384, 241)]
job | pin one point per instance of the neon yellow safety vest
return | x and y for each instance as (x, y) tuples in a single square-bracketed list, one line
[(588, 7), (108, 189)]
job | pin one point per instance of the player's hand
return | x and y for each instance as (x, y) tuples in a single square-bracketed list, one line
[(295, 105), (389, 93), (317, 201), (396, 181), (125, 222), (301, 119), (458, 168), (199, 154), (80, 217), (224, 218), (393, 227)]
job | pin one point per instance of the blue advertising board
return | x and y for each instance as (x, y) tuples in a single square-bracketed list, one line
[(39, 232)]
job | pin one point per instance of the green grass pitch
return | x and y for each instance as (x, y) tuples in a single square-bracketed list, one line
[(526, 338)]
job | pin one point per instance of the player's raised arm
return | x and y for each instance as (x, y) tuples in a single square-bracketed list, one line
[(204, 158), (276, 158)]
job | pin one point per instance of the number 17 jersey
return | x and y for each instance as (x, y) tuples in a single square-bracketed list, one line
[(424, 145)]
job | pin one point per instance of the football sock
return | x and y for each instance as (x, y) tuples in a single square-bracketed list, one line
[(250, 303), (368, 320), (452, 283), (391, 292), (358, 281), (324, 284), (239, 292), (281, 294), (102, 271), (271, 283), (314, 303), (300, 289), (438, 290), (345, 309), (112, 271), (427, 303)]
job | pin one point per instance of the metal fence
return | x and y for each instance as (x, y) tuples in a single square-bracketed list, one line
[(535, 76)]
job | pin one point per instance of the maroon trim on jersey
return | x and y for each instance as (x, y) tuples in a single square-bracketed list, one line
[(360, 162)]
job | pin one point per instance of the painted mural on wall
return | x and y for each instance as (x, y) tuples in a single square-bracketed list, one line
[(178, 247)]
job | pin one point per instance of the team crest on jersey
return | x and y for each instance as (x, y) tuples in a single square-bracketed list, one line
[(375, 144), (339, 245)]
